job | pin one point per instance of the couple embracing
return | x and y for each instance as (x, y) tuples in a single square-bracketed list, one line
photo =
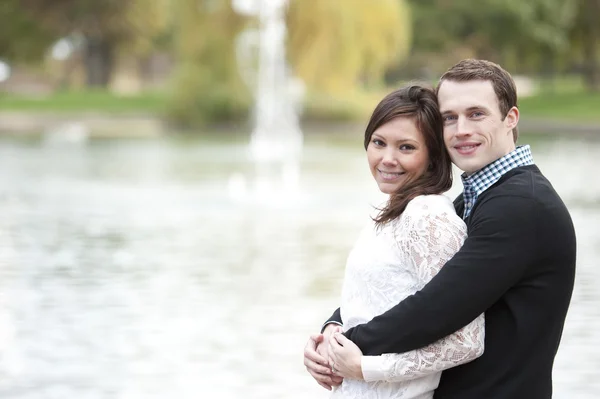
[(465, 300)]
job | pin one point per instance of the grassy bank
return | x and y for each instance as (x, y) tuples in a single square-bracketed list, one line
[(575, 107), (567, 106), (580, 107), (88, 100)]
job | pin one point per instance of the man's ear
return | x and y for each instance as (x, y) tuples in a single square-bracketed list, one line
[(512, 118)]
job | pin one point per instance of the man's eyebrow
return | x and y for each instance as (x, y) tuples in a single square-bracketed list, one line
[(471, 108), (477, 107)]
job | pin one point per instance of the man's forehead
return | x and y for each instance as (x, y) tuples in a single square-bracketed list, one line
[(453, 95)]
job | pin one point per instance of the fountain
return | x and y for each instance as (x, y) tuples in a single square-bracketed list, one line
[(276, 140)]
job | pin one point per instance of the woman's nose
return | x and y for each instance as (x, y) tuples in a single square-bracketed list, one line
[(389, 158)]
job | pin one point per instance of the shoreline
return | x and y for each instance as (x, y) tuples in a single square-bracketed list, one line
[(144, 125)]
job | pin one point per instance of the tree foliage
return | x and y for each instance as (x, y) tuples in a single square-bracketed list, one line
[(541, 37), (585, 41), (334, 47), (21, 37), (509, 30), (105, 26), (207, 85)]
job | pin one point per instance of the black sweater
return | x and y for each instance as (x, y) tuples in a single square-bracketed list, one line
[(518, 266)]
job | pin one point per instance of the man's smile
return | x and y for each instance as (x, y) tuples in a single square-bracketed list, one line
[(466, 148)]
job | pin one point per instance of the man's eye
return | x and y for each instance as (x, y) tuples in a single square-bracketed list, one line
[(477, 114), (448, 118)]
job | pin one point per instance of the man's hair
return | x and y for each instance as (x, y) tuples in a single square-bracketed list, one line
[(504, 85), (419, 104)]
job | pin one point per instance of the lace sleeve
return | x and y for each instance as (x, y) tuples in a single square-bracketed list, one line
[(428, 238)]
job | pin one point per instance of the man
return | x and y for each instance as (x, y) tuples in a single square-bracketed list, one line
[(517, 264)]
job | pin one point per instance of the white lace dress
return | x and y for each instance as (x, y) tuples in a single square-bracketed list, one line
[(385, 266)]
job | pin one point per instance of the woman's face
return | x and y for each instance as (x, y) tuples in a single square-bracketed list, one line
[(396, 154)]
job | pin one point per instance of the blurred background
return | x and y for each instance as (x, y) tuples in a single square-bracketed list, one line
[(181, 180)]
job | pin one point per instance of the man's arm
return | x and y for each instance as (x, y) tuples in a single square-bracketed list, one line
[(500, 247)]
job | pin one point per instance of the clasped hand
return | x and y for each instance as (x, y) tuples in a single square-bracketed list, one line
[(331, 351)]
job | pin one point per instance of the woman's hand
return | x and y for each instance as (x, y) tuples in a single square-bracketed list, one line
[(316, 358), (345, 357)]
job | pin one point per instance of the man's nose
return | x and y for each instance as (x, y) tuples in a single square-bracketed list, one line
[(463, 127)]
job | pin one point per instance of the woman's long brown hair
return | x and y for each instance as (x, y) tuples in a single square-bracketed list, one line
[(420, 104)]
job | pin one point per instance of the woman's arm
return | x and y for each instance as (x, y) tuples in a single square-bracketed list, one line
[(461, 347)]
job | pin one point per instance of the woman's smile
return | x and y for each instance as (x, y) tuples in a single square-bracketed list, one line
[(390, 176)]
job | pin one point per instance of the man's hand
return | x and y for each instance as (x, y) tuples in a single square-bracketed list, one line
[(345, 357), (316, 354)]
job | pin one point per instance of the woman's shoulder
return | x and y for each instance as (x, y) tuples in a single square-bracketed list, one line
[(432, 203), (431, 211)]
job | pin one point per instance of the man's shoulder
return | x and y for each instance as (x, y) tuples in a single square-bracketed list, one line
[(519, 182), (519, 193)]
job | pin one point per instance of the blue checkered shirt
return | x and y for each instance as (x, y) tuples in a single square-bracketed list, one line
[(483, 179)]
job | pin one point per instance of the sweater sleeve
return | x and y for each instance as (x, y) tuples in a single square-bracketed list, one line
[(336, 318), (427, 241), (498, 251)]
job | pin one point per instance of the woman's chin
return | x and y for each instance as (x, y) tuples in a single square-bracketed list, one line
[(387, 190)]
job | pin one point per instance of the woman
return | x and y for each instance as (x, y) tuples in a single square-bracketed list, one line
[(401, 249)]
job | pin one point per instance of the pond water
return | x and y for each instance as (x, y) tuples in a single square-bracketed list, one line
[(168, 268)]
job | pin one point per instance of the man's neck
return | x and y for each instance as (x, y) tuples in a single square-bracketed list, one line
[(467, 174)]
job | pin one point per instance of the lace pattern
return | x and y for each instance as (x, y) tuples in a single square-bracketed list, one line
[(385, 266)]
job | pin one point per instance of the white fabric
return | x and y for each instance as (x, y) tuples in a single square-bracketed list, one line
[(385, 266)]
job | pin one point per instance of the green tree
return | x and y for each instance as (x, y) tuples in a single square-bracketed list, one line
[(585, 40), (21, 37), (526, 37), (105, 26), (207, 86)]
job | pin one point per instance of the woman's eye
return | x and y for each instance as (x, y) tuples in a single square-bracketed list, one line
[(378, 142), (406, 147)]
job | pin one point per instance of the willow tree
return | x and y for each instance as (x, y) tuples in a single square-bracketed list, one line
[(332, 46), (335, 46)]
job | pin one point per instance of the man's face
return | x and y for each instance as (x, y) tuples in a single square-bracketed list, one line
[(475, 132)]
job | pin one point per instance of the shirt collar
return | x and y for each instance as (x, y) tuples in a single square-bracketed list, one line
[(490, 174)]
